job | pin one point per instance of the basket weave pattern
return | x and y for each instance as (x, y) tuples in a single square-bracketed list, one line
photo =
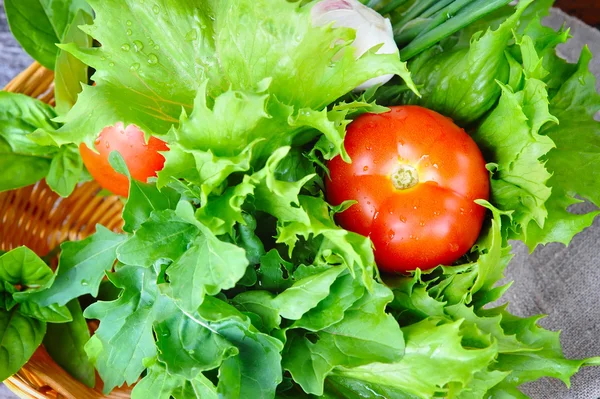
[(37, 217)]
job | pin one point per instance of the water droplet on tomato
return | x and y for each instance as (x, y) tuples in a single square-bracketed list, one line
[(422, 224), (435, 165), (411, 236), (368, 202), (415, 207), (454, 247), (368, 148), (107, 144), (391, 235), (436, 213), (402, 218), (462, 211), (366, 168), (97, 141)]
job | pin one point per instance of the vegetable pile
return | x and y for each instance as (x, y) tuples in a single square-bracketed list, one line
[(231, 277)]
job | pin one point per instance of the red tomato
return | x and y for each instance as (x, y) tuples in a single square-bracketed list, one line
[(142, 159), (415, 176)]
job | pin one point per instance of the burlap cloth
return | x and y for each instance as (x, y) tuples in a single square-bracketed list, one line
[(560, 282)]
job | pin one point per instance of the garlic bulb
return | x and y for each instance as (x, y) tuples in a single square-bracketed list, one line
[(371, 29)]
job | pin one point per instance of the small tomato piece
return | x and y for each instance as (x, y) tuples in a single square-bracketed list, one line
[(414, 176), (142, 159)]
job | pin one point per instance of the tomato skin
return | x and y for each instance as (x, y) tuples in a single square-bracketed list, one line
[(142, 159), (432, 223)]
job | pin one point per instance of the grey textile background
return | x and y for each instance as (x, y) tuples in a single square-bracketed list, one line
[(561, 282)]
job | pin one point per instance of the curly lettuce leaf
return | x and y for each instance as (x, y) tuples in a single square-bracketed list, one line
[(155, 57), (575, 161), (459, 79), (435, 357)]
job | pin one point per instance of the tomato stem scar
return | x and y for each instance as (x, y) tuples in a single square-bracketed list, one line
[(404, 177)]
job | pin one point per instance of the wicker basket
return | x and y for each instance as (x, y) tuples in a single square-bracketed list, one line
[(37, 217)]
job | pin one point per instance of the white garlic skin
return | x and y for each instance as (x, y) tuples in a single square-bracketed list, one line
[(371, 29)]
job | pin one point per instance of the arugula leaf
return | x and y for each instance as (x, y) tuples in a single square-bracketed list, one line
[(81, 268), (271, 272), (208, 266), (125, 338), (187, 347), (20, 336), (262, 304), (39, 24), (163, 236), (65, 343), (366, 335), (256, 370), (159, 384)]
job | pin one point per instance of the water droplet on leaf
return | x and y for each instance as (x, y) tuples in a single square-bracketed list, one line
[(129, 32), (128, 23), (138, 46), (125, 47), (152, 59), (134, 67), (191, 35), (156, 9)]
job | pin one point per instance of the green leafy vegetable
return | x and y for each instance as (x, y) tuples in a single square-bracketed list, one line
[(22, 161), (65, 343), (39, 25), (124, 338), (20, 337), (81, 268), (70, 72)]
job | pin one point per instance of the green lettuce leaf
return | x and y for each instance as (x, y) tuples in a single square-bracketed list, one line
[(575, 161), (434, 358), (158, 58), (468, 71)]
